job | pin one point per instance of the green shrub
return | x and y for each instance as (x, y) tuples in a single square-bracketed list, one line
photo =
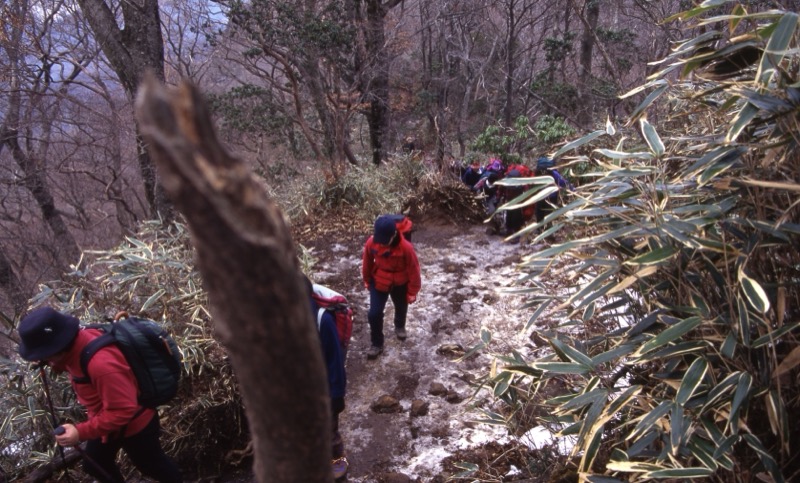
[(671, 314)]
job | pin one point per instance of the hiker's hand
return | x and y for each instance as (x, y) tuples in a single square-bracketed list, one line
[(411, 299), (69, 437)]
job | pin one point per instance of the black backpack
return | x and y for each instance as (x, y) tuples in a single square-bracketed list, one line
[(150, 351)]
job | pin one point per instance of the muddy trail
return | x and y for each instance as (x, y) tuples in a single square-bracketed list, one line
[(408, 411)]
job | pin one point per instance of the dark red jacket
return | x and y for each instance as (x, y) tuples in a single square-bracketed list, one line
[(110, 398), (390, 266)]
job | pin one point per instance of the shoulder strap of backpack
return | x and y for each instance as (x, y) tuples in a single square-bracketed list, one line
[(89, 351), (320, 314)]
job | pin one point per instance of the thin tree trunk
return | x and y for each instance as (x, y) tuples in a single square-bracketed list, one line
[(511, 63), (34, 180), (133, 52), (252, 275), (10, 284), (375, 80), (586, 110)]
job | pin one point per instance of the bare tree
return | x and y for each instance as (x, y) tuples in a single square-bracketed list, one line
[(298, 55), (28, 122), (372, 62), (189, 28), (251, 273), (133, 50)]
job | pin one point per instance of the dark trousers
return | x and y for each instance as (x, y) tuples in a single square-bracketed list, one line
[(144, 450), (377, 304), (514, 220)]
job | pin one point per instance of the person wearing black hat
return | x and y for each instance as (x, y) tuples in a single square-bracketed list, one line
[(116, 420), (389, 269)]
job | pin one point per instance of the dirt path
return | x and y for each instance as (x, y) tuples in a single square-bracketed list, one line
[(462, 268)]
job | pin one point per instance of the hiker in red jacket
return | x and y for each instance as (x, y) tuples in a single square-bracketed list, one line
[(389, 269), (116, 420)]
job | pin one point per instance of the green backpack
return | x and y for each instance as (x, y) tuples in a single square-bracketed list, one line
[(151, 352)]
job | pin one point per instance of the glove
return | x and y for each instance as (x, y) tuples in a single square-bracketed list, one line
[(337, 405), (411, 299)]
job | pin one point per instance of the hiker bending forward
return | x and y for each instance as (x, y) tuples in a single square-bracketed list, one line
[(389, 269), (116, 420)]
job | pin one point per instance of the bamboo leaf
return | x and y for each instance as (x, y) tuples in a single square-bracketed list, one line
[(643, 444), (743, 119), (724, 446), (680, 473), (670, 334), (152, 299), (766, 458), (621, 401), (650, 419), (788, 363), (632, 466), (755, 294), (591, 450), (595, 396), (723, 387), (653, 257), (618, 351), (736, 16), (632, 92), (572, 353), (578, 142), (739, 398), (561, 367), (776, 47), (609, 153), (652, 137), (677, 429), (691, 380), (743, 321), (610, 129), (651, 98), (774, 335), (631, 279), (542, 307)]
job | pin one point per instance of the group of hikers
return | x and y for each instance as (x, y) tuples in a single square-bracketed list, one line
[(107, 386), (482, 179)]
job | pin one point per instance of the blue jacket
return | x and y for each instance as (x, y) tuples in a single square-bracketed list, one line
[(331, 352)]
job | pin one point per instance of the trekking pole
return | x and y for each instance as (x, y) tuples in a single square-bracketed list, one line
[(58, 429), (55, 422)]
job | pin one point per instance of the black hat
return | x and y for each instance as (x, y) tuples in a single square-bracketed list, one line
[(384, 230), (46, 332)]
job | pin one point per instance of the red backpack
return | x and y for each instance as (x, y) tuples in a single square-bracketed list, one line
[(524, 171), (335, 303)]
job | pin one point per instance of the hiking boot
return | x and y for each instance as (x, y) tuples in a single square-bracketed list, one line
[(340, 466), (401, 334), (374, 352)]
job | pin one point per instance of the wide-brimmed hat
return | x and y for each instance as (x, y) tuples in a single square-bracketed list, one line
[(384, 230), (45, 332)]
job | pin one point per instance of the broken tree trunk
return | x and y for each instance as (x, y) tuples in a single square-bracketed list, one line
[(251, 273)]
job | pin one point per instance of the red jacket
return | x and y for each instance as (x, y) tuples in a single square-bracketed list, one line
[(111, 397), (389, 266)]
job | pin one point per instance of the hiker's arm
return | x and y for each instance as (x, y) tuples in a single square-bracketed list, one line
[(116, 390), (414, 278), (366, 264)]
